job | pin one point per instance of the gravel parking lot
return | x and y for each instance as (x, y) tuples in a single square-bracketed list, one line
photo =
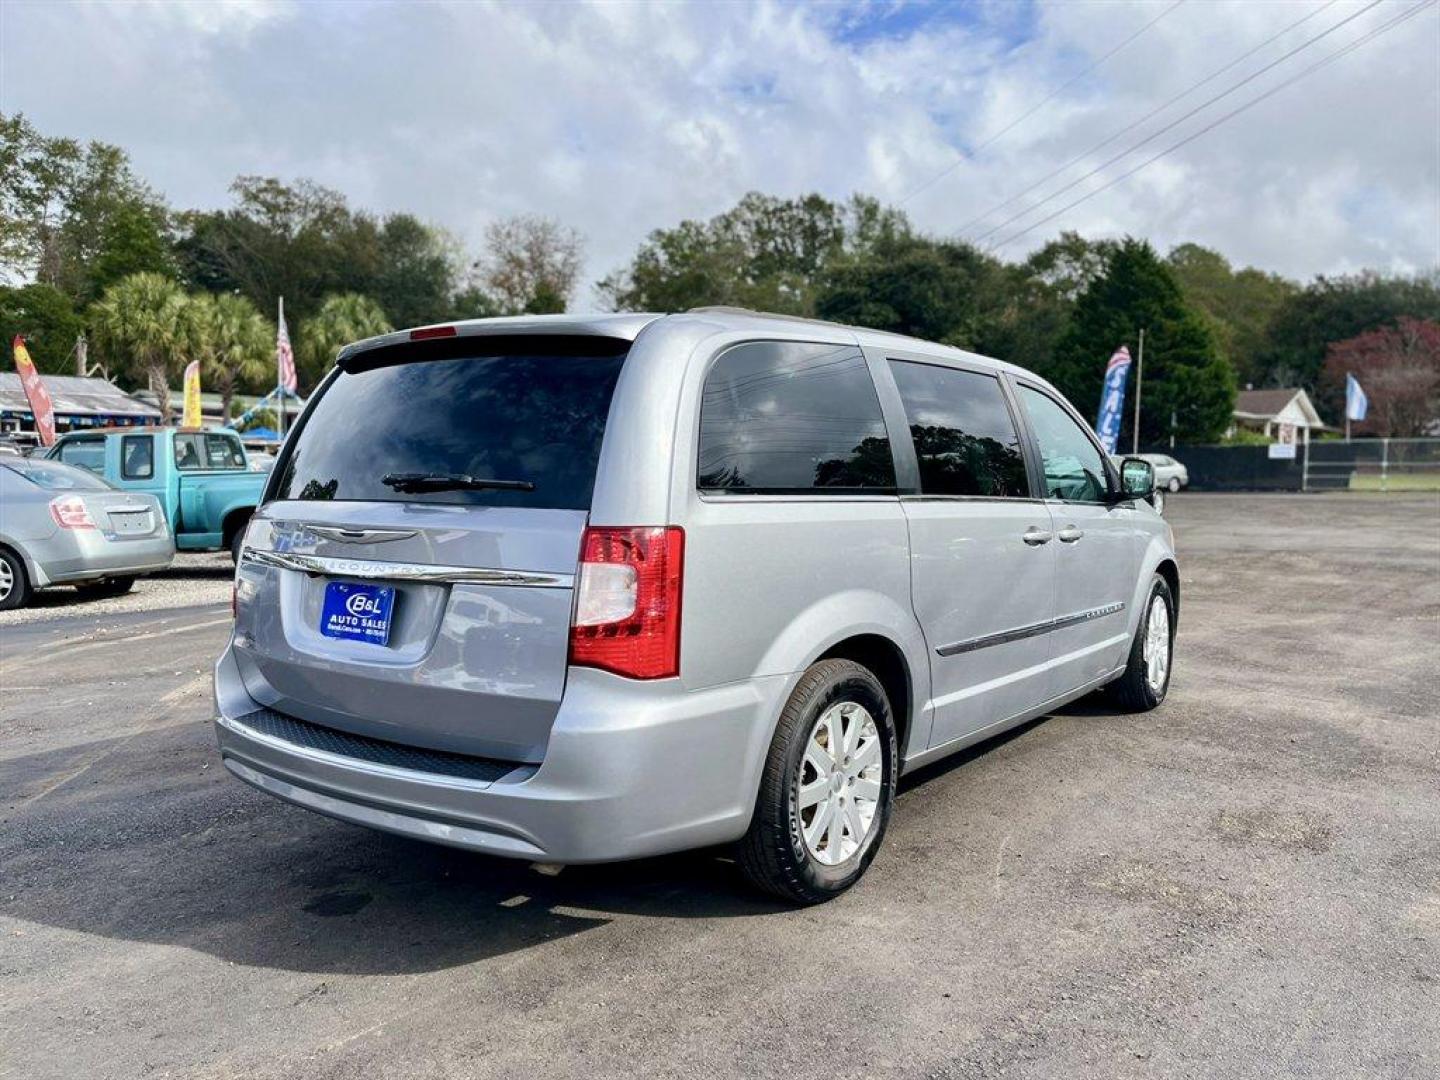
[(192, 580), (1243, 883)]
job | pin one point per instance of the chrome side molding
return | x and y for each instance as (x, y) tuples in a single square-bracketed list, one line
[(1033, 629), (373, 570)]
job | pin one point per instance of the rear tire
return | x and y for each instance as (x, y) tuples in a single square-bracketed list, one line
[(820, 816), (15, 588), (1174, 484), (100, 590), (1147, 673)]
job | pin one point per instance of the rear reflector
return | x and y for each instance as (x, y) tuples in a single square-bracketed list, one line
[(432, 332), (69, 513), (627, 604)]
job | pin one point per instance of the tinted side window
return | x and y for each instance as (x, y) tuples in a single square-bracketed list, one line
[(965, 438), (792, 417), (86, 453), (137, 457), (1074, 469)]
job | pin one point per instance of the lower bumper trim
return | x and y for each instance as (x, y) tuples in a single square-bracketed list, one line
[(437, 832)]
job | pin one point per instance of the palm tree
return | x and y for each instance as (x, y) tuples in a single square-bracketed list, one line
[(342, 318), (232, 340), (141, 322)]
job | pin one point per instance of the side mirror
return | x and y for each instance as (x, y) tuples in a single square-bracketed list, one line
[(1137, 478)]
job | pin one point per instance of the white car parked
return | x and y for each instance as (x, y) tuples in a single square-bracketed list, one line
[(1170, 475)]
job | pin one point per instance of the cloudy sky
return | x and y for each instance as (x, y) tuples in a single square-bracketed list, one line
[(620, 117)]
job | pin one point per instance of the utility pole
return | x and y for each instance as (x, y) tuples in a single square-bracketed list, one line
[(1139, 375), (81, 363), (279, 382)]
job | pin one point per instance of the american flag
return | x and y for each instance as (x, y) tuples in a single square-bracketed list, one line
[(284, 355)]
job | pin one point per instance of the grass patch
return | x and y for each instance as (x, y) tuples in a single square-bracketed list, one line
[(1396, 482)]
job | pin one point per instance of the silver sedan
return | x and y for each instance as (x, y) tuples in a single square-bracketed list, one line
[(60, 525)]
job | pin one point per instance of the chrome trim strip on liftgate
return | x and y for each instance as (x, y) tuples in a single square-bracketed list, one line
[(1032, 630), (372, 570)]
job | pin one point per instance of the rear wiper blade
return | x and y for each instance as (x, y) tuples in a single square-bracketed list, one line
[(415, 482)]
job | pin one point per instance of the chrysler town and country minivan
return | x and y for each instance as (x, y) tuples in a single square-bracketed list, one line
[(576, 589)]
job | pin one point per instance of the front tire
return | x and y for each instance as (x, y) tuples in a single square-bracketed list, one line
[(1147, 673), (15, 588), (828, 787)]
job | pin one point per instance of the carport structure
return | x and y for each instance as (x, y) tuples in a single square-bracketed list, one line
[(79, 403)]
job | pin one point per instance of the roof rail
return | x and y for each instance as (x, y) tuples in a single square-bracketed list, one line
[(728, 309)]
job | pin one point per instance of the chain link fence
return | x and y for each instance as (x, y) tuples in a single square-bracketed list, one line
[(1324, 465), (1372, 465)]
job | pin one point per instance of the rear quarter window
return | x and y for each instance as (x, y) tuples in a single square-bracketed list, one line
[(792, 418), (538, 418)]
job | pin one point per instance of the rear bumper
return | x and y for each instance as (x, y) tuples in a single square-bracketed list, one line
[(631, 769), (89, 556)]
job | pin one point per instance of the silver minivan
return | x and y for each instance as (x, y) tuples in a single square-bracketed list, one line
[(573, 589)]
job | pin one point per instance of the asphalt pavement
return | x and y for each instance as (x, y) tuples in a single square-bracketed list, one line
[(1243, 883)]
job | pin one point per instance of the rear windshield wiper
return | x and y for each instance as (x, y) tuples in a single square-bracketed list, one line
[(416, 482)]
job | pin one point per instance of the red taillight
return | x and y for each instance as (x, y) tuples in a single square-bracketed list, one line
[(426, 332), (69, 513), (627, 605)]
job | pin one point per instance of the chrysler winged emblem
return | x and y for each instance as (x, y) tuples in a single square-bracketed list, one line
[(358, 536)]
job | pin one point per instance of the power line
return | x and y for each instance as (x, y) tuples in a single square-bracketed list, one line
[(1177, 121), (1152, 113), (1036, 108), (1357, 43)]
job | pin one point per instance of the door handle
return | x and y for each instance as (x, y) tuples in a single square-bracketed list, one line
[(1035, 537), (1070, 534)]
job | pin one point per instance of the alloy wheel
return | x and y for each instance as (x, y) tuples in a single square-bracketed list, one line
[(7, 579), (840, 780), (1157, 644)]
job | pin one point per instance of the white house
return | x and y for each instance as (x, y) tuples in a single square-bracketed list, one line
[(1273, 411)]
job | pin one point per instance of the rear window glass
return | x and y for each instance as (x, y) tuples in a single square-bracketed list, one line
[(792, 418), (54, 476), (532, 418), (965, 439), (137, 457)]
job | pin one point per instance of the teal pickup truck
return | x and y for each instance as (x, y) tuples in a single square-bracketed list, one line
[(202, 478)]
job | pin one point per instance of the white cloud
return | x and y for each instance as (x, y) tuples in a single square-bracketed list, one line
[(621, 117)]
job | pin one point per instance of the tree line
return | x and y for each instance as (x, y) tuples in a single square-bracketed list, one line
[(92, 249)]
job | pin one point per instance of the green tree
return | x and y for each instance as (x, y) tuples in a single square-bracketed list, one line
[(1330, 310), (48, 322), (234, 343), (1069, 264), (141, 325), (304, 242), (932, 289), (75, 216), (1237, 305), (416, 273), (1184, 374), (765, 253), (342, 318)]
